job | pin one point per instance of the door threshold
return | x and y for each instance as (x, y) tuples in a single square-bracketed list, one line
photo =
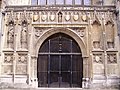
[(59, 88)]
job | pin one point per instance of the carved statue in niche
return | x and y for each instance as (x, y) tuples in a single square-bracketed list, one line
[(24, 36), (60, 17), (10, 35), (96, 34)]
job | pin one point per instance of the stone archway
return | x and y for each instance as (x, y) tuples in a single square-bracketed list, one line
[(66, 31)]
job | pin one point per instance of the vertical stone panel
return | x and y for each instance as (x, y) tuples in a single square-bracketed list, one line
[(110, 35), (7, 65), (21, 65)]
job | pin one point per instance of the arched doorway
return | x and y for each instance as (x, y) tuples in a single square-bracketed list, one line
[(60, 62)]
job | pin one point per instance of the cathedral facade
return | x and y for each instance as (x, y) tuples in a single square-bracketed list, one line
[(60, 43)]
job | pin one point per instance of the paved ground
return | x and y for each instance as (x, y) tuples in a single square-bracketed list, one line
[(60, 89)]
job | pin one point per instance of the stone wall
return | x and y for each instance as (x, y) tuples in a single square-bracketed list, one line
[(93, 28)]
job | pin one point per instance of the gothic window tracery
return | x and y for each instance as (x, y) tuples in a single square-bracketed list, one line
[(73, 2)]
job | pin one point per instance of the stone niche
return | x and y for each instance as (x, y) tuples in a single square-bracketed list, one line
[(112, 64), (96, 35), (110, 34)]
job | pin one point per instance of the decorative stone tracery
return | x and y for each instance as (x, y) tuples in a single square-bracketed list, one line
[(97, 58), (111, 58), (8, 64), (24, 30)]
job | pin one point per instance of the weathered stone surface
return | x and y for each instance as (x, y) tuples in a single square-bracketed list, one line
[(26, 28)]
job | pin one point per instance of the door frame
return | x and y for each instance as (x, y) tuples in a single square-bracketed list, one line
[(47, 33)]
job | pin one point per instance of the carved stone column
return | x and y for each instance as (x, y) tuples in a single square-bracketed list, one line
[(34, 80), (0, 32), (14, 65), (86, 79), (28, 70)]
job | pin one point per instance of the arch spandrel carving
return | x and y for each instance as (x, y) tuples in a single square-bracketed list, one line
[(69, 32)]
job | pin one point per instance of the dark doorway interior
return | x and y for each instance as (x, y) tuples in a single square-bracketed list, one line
[(60, 62)]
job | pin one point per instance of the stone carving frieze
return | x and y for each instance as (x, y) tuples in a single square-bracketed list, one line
[(76, 16), (111, 58), (65, 15), (40, 31), (24, 17), (36, 16), (22, 59), (80, 31), (52, 16)]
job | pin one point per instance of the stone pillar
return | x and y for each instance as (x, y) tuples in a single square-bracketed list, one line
[(15, 55), (34, 80), (28, 70), (0, 38), (14, 65), (0, 30), (86, 78)]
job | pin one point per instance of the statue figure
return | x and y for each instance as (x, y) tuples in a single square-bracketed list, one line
[(24, 37), (10, 36)]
